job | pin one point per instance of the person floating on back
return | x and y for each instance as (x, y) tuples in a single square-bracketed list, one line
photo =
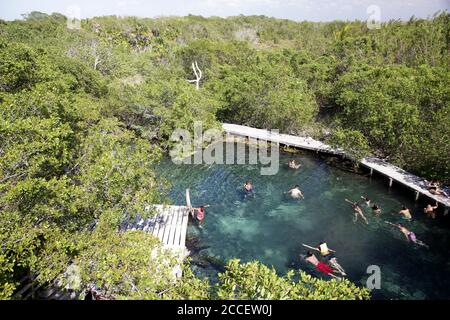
[(296, 193), (320, 265), (293, 165), (200, 214), (410, 236), (358, 212), (328, 254), (430, 210), (405, 213)]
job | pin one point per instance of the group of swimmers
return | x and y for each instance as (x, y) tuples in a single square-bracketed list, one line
[(199, 213), (405, 214), (330, 266)]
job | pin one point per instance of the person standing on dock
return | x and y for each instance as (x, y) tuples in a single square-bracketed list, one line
[(358, 212), (406, 214), (430, 210)]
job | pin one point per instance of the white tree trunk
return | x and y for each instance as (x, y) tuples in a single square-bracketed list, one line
[(198, 75)]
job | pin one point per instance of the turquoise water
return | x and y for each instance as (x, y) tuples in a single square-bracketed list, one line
[(271, 228)]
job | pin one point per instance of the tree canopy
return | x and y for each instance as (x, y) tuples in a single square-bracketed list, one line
[(85, 116)]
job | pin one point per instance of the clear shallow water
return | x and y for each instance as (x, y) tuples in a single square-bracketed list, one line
[(271, 228)]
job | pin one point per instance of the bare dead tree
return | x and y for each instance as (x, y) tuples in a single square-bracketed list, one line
[(198, 75)]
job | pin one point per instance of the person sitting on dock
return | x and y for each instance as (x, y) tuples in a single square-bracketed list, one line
[(200, 214), (358, 212), (293, 165), (376, 210), (434, 187), (248, 189), (320, 265), (437, 191), (366, 201), (296, 193), (430, 210), (410, 236), (406, 214), (432, 184)]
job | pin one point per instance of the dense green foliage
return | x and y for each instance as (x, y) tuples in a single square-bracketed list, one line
[(254, 281), (86, 114)]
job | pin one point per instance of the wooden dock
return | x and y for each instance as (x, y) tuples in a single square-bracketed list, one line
[(374, 164), (284, 139), (169, 225)]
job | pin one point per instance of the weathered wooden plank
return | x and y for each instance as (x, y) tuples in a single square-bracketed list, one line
[(166, 218), (403, 177), (157, 223), (173, 226), (151, 222), (177, 240), (184, 225), (172, 214)]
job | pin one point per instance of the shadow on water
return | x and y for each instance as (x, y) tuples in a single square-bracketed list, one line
[(271, 228)]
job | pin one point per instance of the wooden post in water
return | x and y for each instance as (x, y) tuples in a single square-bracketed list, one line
[(371, 171), (417, 195), (390, 182)]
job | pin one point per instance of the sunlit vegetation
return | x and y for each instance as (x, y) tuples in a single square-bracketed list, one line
[(86, 114)]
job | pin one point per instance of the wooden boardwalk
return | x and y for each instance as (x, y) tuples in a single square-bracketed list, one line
[(374, 164), (284, 139), (169, 225)]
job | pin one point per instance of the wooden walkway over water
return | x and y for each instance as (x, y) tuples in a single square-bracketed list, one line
[(169, 225), (374, 164)]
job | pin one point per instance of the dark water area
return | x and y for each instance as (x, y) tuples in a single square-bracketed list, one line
[(271, 227)]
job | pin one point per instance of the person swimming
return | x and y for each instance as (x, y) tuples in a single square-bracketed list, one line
[(429, 210), (320, 265), (293, 165), (410, 236), (376, 210), (296, 193), (358, 212), (329, 254), (248, 189), (200, 214), (366, 201), (405, 213)]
